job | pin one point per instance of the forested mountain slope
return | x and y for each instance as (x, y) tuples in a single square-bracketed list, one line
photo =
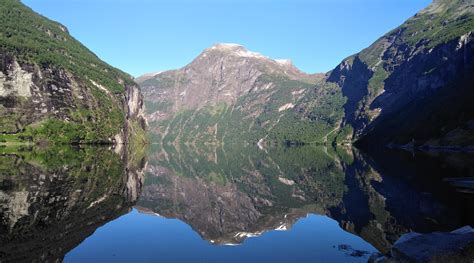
[(412, 87), (231, 94), (54, 89), (415, 84)]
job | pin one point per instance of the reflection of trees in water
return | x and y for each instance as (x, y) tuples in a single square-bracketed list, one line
[(51, 199), (229, 193), (405, 193)]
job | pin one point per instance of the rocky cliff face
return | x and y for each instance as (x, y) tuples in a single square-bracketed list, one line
[(412, 86), (53, 89), (415, 83), (221, 74), (230, 92), (227, 194), (230, 215), (50, 205)]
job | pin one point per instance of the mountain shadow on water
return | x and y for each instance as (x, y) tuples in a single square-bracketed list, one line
[(52, 199), (227, 194)]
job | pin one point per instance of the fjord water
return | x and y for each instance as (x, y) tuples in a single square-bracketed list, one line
[(231, 203)]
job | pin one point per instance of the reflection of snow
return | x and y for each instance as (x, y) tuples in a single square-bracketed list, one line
[(283, 227), (248, 234), (156, 214), (147, 211)]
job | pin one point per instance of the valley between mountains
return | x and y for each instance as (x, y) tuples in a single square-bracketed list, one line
[(411, 88), (196, 144)]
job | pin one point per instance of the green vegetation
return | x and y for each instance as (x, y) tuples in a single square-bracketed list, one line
[(429, 28), (10, 138), (89, 108), (60, 132), (453, 20), (415, 51), (259, 115), (32, 38), (376, 83), (344, 135), (323, 112), (137, 145), (67, 189), (157, 106), (313, 171), (162, 81), (80, 162)]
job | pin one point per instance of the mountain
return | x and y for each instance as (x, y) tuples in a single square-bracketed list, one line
[(52, 204), (231, 94), (53, 89), (228, 193), (412, 87)]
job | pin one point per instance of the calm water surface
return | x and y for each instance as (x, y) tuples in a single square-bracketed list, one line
[(223, 204)]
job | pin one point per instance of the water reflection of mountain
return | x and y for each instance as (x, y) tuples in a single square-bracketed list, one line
[(228, 194), (52, 199)]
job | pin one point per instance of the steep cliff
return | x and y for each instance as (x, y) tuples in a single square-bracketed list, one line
[(414, 85), (52, 199), (231, 94), (53, 89), (229, 193)]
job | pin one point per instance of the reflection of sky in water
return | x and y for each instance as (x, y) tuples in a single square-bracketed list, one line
[(138, 237), (223, 198)]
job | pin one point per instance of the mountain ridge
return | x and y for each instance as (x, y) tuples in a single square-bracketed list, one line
[(232, 49), (231, 85), (410, 88), (419, 59), (55, 90)]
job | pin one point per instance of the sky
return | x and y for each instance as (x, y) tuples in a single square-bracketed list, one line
[(141, 36)]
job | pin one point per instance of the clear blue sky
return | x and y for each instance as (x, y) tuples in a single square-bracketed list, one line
[(140, 36)]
